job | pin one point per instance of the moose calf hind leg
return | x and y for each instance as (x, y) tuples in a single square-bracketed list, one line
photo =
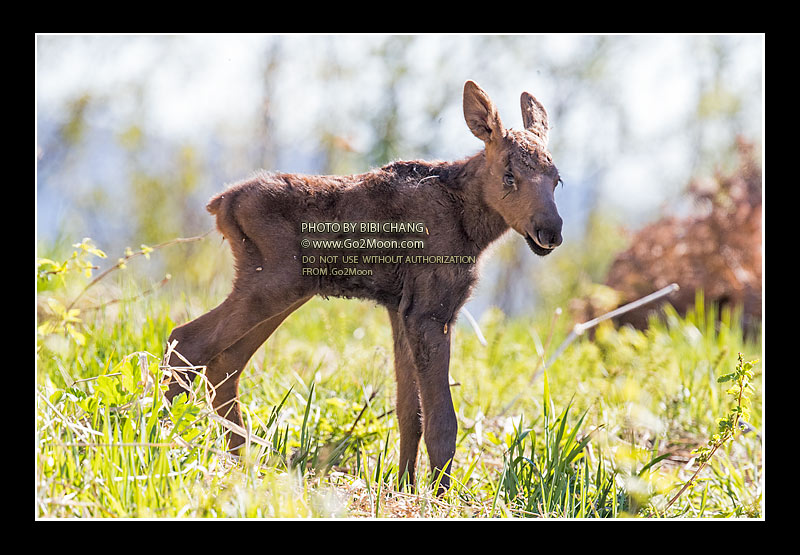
[(224, 370), (409, 413)]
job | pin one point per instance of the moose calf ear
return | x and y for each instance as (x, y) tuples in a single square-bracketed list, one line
[(480, 113), (534, 116)]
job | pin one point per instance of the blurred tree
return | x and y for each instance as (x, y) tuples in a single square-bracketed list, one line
[(721, 112), (264, 139), (388, 143)]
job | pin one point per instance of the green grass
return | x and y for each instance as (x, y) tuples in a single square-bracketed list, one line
[(606, 432)]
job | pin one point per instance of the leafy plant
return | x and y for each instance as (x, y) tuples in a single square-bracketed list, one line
[(66, 319), (728, 425), (77, 262)]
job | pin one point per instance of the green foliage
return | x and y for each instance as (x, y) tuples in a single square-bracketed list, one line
[(61, 319), (78, 262), (600, 437), (73, 274), (728, 425), (547, 483)]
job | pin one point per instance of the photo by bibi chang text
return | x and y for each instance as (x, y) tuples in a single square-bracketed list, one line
[(363, 227)]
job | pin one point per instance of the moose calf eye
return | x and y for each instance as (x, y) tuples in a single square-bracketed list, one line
[(508, 180)]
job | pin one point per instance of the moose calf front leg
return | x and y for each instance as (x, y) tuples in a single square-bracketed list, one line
[(429, 344)]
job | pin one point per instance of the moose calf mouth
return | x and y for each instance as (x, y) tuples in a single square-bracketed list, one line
[(536, 247)]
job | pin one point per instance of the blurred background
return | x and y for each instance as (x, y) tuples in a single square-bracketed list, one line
[(135, 133)]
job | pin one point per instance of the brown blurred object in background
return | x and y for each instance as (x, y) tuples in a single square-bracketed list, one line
[(717, 249)]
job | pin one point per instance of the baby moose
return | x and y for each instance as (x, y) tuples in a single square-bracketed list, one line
[(405, 236)]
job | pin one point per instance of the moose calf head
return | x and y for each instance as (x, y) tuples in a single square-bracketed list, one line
[(521, 175), (462, 206)]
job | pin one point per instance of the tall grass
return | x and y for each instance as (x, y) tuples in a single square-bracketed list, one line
[(607, 432)]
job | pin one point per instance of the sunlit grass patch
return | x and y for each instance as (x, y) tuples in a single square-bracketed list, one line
[(609, 433)]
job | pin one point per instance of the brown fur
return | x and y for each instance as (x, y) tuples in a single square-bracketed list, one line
[(464, 205)]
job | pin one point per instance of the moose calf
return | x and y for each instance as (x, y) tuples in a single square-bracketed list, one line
[(410, 233)]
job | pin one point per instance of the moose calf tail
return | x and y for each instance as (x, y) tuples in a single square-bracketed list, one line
[(223, 206), (215, 203)]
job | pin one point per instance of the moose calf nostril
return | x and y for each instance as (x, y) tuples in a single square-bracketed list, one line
[(548, 238)]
